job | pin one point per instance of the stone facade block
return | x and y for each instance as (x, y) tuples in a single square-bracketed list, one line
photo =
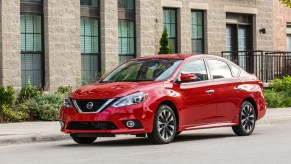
[(109, 35), (62, 43), (10, 67), (145, 28), (281, 16)]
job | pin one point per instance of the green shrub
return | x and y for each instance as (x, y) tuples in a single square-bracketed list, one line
[(6, 96), (281, 85), (64, 89), (276, 99), (12, 115), (28, 92), (46, 107)]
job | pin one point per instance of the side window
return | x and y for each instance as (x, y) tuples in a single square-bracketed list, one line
[(196, 67), (219, 69)]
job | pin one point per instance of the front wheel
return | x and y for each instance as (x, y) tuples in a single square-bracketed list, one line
[(165, 126), (84, 140), (247, 120)]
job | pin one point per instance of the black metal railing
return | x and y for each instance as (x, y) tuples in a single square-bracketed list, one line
[(266, 65)]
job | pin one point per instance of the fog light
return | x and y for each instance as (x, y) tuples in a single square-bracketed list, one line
[(62, 123), (132, 124)]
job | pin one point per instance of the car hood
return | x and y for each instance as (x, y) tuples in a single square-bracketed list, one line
[(111, 90)]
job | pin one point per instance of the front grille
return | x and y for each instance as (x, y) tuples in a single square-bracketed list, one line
[(89, 105), (92, 126)]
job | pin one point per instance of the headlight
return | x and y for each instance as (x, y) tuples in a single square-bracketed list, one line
[(135, 98), (67, 103)]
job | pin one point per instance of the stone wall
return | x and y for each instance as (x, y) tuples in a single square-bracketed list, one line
[(215, 24), (281, 16), (10, 66), (62, 43)]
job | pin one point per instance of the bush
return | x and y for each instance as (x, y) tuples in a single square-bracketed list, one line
[(6, 96), (281, 85), (28, 92), (64, 89), (280, 93), (46, 107), (10, 115)]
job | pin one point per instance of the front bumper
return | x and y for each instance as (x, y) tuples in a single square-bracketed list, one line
[(117, 116)]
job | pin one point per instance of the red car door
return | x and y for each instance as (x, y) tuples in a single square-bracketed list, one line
[(226, 91), (197, 98)]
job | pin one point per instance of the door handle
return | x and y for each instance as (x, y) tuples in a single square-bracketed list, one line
[(237, 88), (210, 91)]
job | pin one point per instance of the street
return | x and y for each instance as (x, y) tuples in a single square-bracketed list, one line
[(270, 143)]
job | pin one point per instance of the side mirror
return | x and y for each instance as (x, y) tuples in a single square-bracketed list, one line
[(189, 77)]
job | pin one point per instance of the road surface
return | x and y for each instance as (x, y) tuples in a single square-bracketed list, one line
[(269, 143)]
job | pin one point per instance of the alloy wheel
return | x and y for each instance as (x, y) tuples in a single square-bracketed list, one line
[(166, 125), (248, 118)]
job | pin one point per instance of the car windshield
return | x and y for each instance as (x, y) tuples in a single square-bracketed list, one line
[(144, 70)]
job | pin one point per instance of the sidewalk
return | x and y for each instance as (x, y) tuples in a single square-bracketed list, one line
[(26, 132)]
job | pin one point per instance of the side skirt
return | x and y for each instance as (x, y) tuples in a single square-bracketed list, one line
[(207, 126)]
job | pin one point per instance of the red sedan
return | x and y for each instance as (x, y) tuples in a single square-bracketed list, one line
[(161, 96)]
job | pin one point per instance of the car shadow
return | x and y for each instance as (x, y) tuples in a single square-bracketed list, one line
[(121, 142)]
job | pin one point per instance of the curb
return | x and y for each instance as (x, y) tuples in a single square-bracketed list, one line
[(31, 138)]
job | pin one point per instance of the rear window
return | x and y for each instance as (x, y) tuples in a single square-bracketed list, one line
[(219, 69), (235, 70)]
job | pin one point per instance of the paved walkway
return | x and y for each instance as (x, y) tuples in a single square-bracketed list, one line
[(26, 132)]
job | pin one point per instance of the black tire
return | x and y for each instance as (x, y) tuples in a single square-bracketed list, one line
[(247, 120), (84, 140), (165, 132)]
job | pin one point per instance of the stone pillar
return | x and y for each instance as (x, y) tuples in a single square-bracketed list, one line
[(184, 29), (145, 28), (109, 34), (264, 19), (62, 43), (10, 63)]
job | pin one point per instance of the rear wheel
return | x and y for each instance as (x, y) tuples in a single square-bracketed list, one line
[(84, 140), (247, 120), (165, 126)]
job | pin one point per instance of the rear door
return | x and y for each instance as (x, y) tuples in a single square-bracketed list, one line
[(226, 91)]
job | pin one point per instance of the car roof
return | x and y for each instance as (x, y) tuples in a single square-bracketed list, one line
[(176, 56)]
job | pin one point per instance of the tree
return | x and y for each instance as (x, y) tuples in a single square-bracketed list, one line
[(286, 2), (164, 42)]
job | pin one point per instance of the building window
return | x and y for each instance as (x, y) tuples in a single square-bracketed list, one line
[(125, 40), (126, 30), (90, 50), (31, 49), (33, 1), (197, 32), (90, 3), (289, 42), (126, 5), (170, 22), (288, 38)]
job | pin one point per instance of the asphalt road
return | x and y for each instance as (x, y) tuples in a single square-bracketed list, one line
[(268, 144)]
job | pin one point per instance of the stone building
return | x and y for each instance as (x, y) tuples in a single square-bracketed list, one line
[(282, 27), (54, 43)]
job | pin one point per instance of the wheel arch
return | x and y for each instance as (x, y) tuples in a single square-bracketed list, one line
[(253, 102), (174, 108)]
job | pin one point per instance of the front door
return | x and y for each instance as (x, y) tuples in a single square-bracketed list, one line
[(197, 97)]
